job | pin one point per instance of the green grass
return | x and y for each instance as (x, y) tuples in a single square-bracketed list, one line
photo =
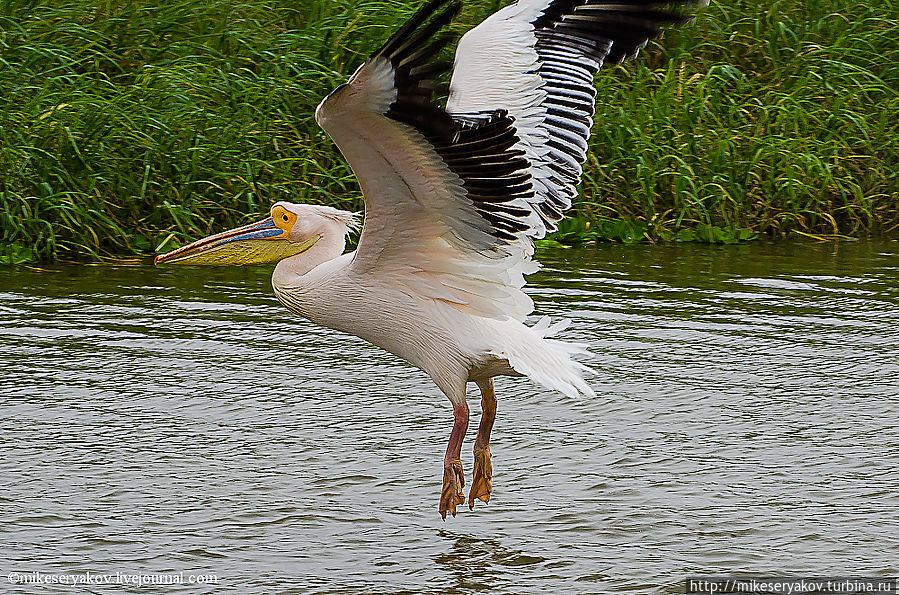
[(131, 127)]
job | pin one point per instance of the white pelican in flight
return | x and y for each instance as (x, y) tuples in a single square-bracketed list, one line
[(454, 197)]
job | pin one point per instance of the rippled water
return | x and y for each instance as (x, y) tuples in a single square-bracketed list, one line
[(179, 420)]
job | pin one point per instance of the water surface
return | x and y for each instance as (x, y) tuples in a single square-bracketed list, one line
[(180, 420)]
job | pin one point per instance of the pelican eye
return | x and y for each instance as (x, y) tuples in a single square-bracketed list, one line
[(283, 218)]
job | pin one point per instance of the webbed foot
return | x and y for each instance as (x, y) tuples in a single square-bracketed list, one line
[(482, 477), (453, 482)]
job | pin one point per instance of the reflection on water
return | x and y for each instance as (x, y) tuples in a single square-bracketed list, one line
[(477, 564), (180, 420)]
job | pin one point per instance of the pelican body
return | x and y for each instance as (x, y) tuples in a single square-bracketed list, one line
[(454, 197)]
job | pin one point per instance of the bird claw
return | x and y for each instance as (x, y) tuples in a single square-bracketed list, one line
[(481, 478), (453, 482)]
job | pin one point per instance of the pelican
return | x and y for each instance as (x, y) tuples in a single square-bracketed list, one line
[(454, 198)]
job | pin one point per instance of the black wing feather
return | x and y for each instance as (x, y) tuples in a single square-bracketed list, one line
[(574, 39), (478, 148)]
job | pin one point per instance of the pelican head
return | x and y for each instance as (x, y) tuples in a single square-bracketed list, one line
[(289, 230)]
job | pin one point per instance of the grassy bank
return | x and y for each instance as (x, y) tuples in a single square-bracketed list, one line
[(131, 127)]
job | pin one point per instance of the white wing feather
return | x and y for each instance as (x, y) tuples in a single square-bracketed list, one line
[(420, 228), (536, 59)]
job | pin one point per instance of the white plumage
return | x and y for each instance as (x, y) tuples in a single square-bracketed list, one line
[(453, 199)]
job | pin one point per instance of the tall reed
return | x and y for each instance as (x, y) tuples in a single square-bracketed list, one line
[(127, 128)]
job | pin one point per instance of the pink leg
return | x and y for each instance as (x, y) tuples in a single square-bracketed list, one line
[(482, 476), (453, 477)]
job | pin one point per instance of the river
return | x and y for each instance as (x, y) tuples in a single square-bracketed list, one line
[(180, 421)]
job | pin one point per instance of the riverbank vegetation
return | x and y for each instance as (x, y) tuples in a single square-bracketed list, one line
[(131, 127)]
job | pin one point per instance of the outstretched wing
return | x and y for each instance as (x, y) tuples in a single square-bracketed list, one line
[(536, 59), (447, 206)]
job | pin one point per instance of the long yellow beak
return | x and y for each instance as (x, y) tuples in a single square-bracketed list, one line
[(257, 243)]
